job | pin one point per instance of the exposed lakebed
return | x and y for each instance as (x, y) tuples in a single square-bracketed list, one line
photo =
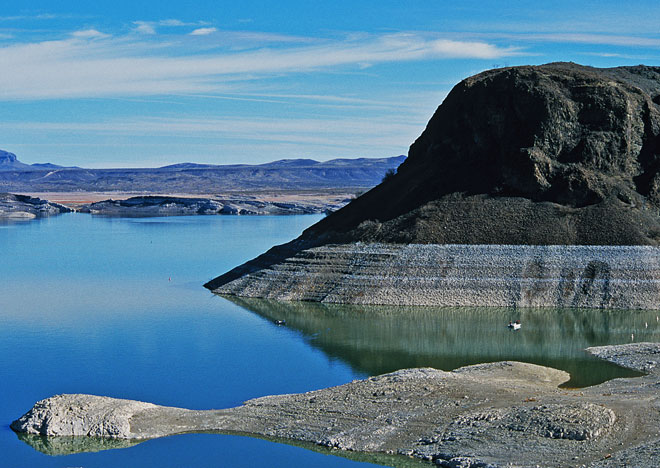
[(115, 307)]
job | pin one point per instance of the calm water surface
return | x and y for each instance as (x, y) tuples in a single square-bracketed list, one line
[(116, 307)]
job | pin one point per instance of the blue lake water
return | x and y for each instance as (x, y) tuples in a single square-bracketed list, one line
[(116, 307)]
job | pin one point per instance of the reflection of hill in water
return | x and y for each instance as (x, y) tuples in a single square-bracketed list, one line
[(69, 445), (379, 339)]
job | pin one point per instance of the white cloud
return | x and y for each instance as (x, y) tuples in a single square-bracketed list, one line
[(149, 27), (89, 34), (44, 16), (124, 67), (172, 22), (203, 31), (448, 48), (144, 27), (618, 40)]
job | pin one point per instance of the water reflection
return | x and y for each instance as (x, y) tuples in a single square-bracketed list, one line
[(379, 339), (61, 446), (69, 445)]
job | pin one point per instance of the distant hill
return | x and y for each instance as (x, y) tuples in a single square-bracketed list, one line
[(9, 162), (286, 174)]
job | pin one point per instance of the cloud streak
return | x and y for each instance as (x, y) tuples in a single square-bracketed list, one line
[(89, 34), (203, 31), (291, 130), (617, 40), (149, 27), (231, 137), (92, 65)]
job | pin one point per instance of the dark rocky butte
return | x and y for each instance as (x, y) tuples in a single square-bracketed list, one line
[(551, 154), (557, 154)]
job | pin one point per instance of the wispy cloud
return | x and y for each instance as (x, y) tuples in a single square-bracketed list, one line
[(172, 22), (607, 55), (78, 67), (144, 27), (408, 102), (203, 31), (149, 27), (327, 137), (599, 39), (89, 34), (618, 40), (40, 16), (254, 127)]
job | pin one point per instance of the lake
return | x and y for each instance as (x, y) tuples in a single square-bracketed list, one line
[(116, 307)]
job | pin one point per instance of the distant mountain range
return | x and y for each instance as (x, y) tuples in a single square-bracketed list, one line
[(9, 162), (285, 174)]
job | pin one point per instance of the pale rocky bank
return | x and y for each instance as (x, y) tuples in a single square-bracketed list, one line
[(236, 204), (488, 415), (622, 277), (25, 207)]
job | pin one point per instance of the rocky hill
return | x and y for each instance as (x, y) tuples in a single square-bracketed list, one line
[(558, 154), (554, 154), (9, 162)]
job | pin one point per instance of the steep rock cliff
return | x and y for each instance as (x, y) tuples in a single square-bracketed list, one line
[(551, 154), (558, 154)]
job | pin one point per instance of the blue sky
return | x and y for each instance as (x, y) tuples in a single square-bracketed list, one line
[(150, 83)]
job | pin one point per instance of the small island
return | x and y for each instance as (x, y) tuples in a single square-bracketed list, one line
[(485, 416)]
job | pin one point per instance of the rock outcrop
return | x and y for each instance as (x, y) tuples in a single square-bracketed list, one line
[(553, 154), (487, 415), (558, 154), (26, 207), (156, 205)]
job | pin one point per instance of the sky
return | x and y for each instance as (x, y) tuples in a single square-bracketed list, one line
[(149, 83)]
